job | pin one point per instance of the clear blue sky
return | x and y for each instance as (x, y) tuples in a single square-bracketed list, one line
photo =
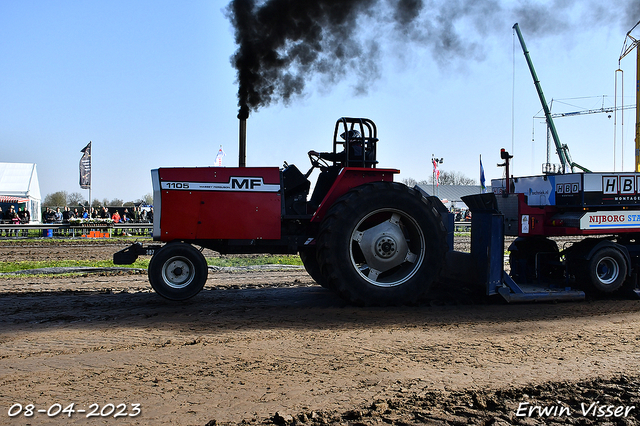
[(150, 83)]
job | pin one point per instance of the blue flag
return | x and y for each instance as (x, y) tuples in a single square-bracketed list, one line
[(483, 187)]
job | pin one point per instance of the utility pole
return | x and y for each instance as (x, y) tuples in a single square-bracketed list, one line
[(631, 43)]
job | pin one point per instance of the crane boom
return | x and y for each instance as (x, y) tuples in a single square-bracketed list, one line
[(591, 111), (562, 150)]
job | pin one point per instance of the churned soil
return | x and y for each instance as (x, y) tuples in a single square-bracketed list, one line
[(269, 346)]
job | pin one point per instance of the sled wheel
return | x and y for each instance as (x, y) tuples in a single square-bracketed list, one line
[(381, 244), (178, 271), (607, 270), (311, 265)]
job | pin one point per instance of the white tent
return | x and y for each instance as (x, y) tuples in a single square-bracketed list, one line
[(19, 185)]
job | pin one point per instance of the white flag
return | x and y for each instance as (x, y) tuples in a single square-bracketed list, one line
[(218, 161)]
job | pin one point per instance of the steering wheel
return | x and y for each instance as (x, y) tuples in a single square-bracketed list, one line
[(317, 161)]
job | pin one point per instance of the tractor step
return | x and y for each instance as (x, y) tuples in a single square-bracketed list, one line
[(129, 255)]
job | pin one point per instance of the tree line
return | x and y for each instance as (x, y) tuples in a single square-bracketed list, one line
[(446, 178), (63, 198)]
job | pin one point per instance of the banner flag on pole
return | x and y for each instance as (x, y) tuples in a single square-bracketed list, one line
[(85, 167), (483, 186), (218, 161), (436, 172)]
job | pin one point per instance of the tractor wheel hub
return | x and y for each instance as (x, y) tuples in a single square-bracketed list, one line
[(386, 247)]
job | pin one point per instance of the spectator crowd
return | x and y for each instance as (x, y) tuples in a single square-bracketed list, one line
[(11, 216), (119, 215)]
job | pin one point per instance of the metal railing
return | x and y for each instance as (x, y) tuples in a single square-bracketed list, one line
[(462, 226), (65, 230)]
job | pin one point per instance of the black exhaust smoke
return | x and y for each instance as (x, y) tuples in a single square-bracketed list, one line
[(283, 43)]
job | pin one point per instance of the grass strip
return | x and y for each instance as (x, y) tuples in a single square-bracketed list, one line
[(144, 262), (254, 260), (26, 264)]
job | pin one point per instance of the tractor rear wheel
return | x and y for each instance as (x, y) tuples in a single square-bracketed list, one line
[(178, 271), (311, 265), (381, 243)]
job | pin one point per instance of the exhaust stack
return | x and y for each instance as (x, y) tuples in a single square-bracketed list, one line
[(242, 148), (242, 142)]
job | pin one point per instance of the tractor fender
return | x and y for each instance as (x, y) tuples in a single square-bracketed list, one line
[(349, 178), (591, 250)]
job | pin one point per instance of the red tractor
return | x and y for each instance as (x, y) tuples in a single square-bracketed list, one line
[(371, 240)]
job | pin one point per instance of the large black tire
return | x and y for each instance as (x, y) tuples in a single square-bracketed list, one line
[(606, 271), (311, 265), (178, 271), (381, 244)]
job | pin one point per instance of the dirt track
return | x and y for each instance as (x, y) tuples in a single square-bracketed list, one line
[(271, 346)]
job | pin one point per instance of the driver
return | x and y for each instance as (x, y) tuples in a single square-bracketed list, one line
[(355, 142)]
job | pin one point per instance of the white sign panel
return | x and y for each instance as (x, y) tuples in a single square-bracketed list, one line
[(525, 223), (619, 219)]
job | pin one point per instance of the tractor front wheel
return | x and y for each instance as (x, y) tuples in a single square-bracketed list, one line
[(381, 244), (178, 271)]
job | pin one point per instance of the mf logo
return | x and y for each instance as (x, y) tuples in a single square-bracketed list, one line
[(246, 183), (624, 185), (256, 184)]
